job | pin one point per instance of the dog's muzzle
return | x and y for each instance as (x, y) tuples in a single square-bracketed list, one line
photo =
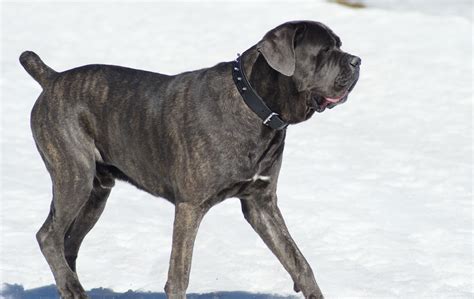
[(320, 103)]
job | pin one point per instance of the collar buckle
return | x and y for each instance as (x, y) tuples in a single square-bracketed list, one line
[(275, 122), (269, 118)]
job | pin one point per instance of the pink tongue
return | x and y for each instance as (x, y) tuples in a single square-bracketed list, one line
[(334, 100)]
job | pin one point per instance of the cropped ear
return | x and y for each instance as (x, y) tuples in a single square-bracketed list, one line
[(278, 47)]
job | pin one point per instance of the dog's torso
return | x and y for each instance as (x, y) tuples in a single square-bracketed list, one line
[(177, 137)]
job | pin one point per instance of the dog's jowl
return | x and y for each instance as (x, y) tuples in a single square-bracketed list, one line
[(193, 139)]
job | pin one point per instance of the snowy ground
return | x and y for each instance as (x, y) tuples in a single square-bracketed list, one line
[(433, 7), (377, 192)]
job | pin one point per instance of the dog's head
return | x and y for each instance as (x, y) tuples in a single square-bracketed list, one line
[(310, 54)]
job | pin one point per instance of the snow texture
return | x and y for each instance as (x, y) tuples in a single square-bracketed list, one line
[(376, 192)]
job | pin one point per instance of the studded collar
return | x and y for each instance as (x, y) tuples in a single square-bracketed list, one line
[(252, 99)]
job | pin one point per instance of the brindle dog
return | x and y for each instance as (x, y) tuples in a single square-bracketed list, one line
[(188, 138)]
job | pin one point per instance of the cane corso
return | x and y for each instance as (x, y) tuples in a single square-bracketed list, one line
[(194, 138)]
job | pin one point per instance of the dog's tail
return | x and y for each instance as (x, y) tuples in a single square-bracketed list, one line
[(37, 68)]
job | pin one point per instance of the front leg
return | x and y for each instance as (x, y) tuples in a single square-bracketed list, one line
[(186, 224), (264, 216)]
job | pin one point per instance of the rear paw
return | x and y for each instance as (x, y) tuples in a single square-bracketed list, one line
[(72, 290), (316, 296)]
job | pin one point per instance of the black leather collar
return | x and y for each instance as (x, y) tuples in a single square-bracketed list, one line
[(253, 100)]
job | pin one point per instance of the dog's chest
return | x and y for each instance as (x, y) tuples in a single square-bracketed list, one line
[(263, 164), (257, 177)]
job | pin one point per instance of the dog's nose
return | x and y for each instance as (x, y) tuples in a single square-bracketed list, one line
[(355, 61)]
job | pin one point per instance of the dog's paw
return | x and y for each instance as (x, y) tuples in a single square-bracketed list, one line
[(316, 296), (72, 290), (297, 289)]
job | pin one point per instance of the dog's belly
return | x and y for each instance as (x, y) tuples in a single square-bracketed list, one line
[(179, 162), (182, 166)]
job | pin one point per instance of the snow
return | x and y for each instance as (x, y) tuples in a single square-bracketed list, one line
[(461, 8), (376, 192)]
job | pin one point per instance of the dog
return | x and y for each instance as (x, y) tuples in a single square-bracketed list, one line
[(194, 139)]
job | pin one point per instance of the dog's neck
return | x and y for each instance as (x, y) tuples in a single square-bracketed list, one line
[(277, 90)]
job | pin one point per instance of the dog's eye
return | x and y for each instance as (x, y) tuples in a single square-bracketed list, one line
[(326, 49)]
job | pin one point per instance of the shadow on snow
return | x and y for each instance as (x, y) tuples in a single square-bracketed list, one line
[(16, 291)]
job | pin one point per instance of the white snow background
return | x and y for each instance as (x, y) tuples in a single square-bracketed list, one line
[(376, 192)]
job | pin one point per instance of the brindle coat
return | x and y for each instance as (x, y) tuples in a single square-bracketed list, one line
[(188, 138)]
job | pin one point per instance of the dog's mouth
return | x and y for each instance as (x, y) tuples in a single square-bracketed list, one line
[(325, 102), (320, 103)]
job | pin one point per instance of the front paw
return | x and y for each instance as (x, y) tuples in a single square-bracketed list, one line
[(315, 295)]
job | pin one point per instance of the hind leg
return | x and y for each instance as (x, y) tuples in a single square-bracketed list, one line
[(84, 222), (70, 162), (67, 200)]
